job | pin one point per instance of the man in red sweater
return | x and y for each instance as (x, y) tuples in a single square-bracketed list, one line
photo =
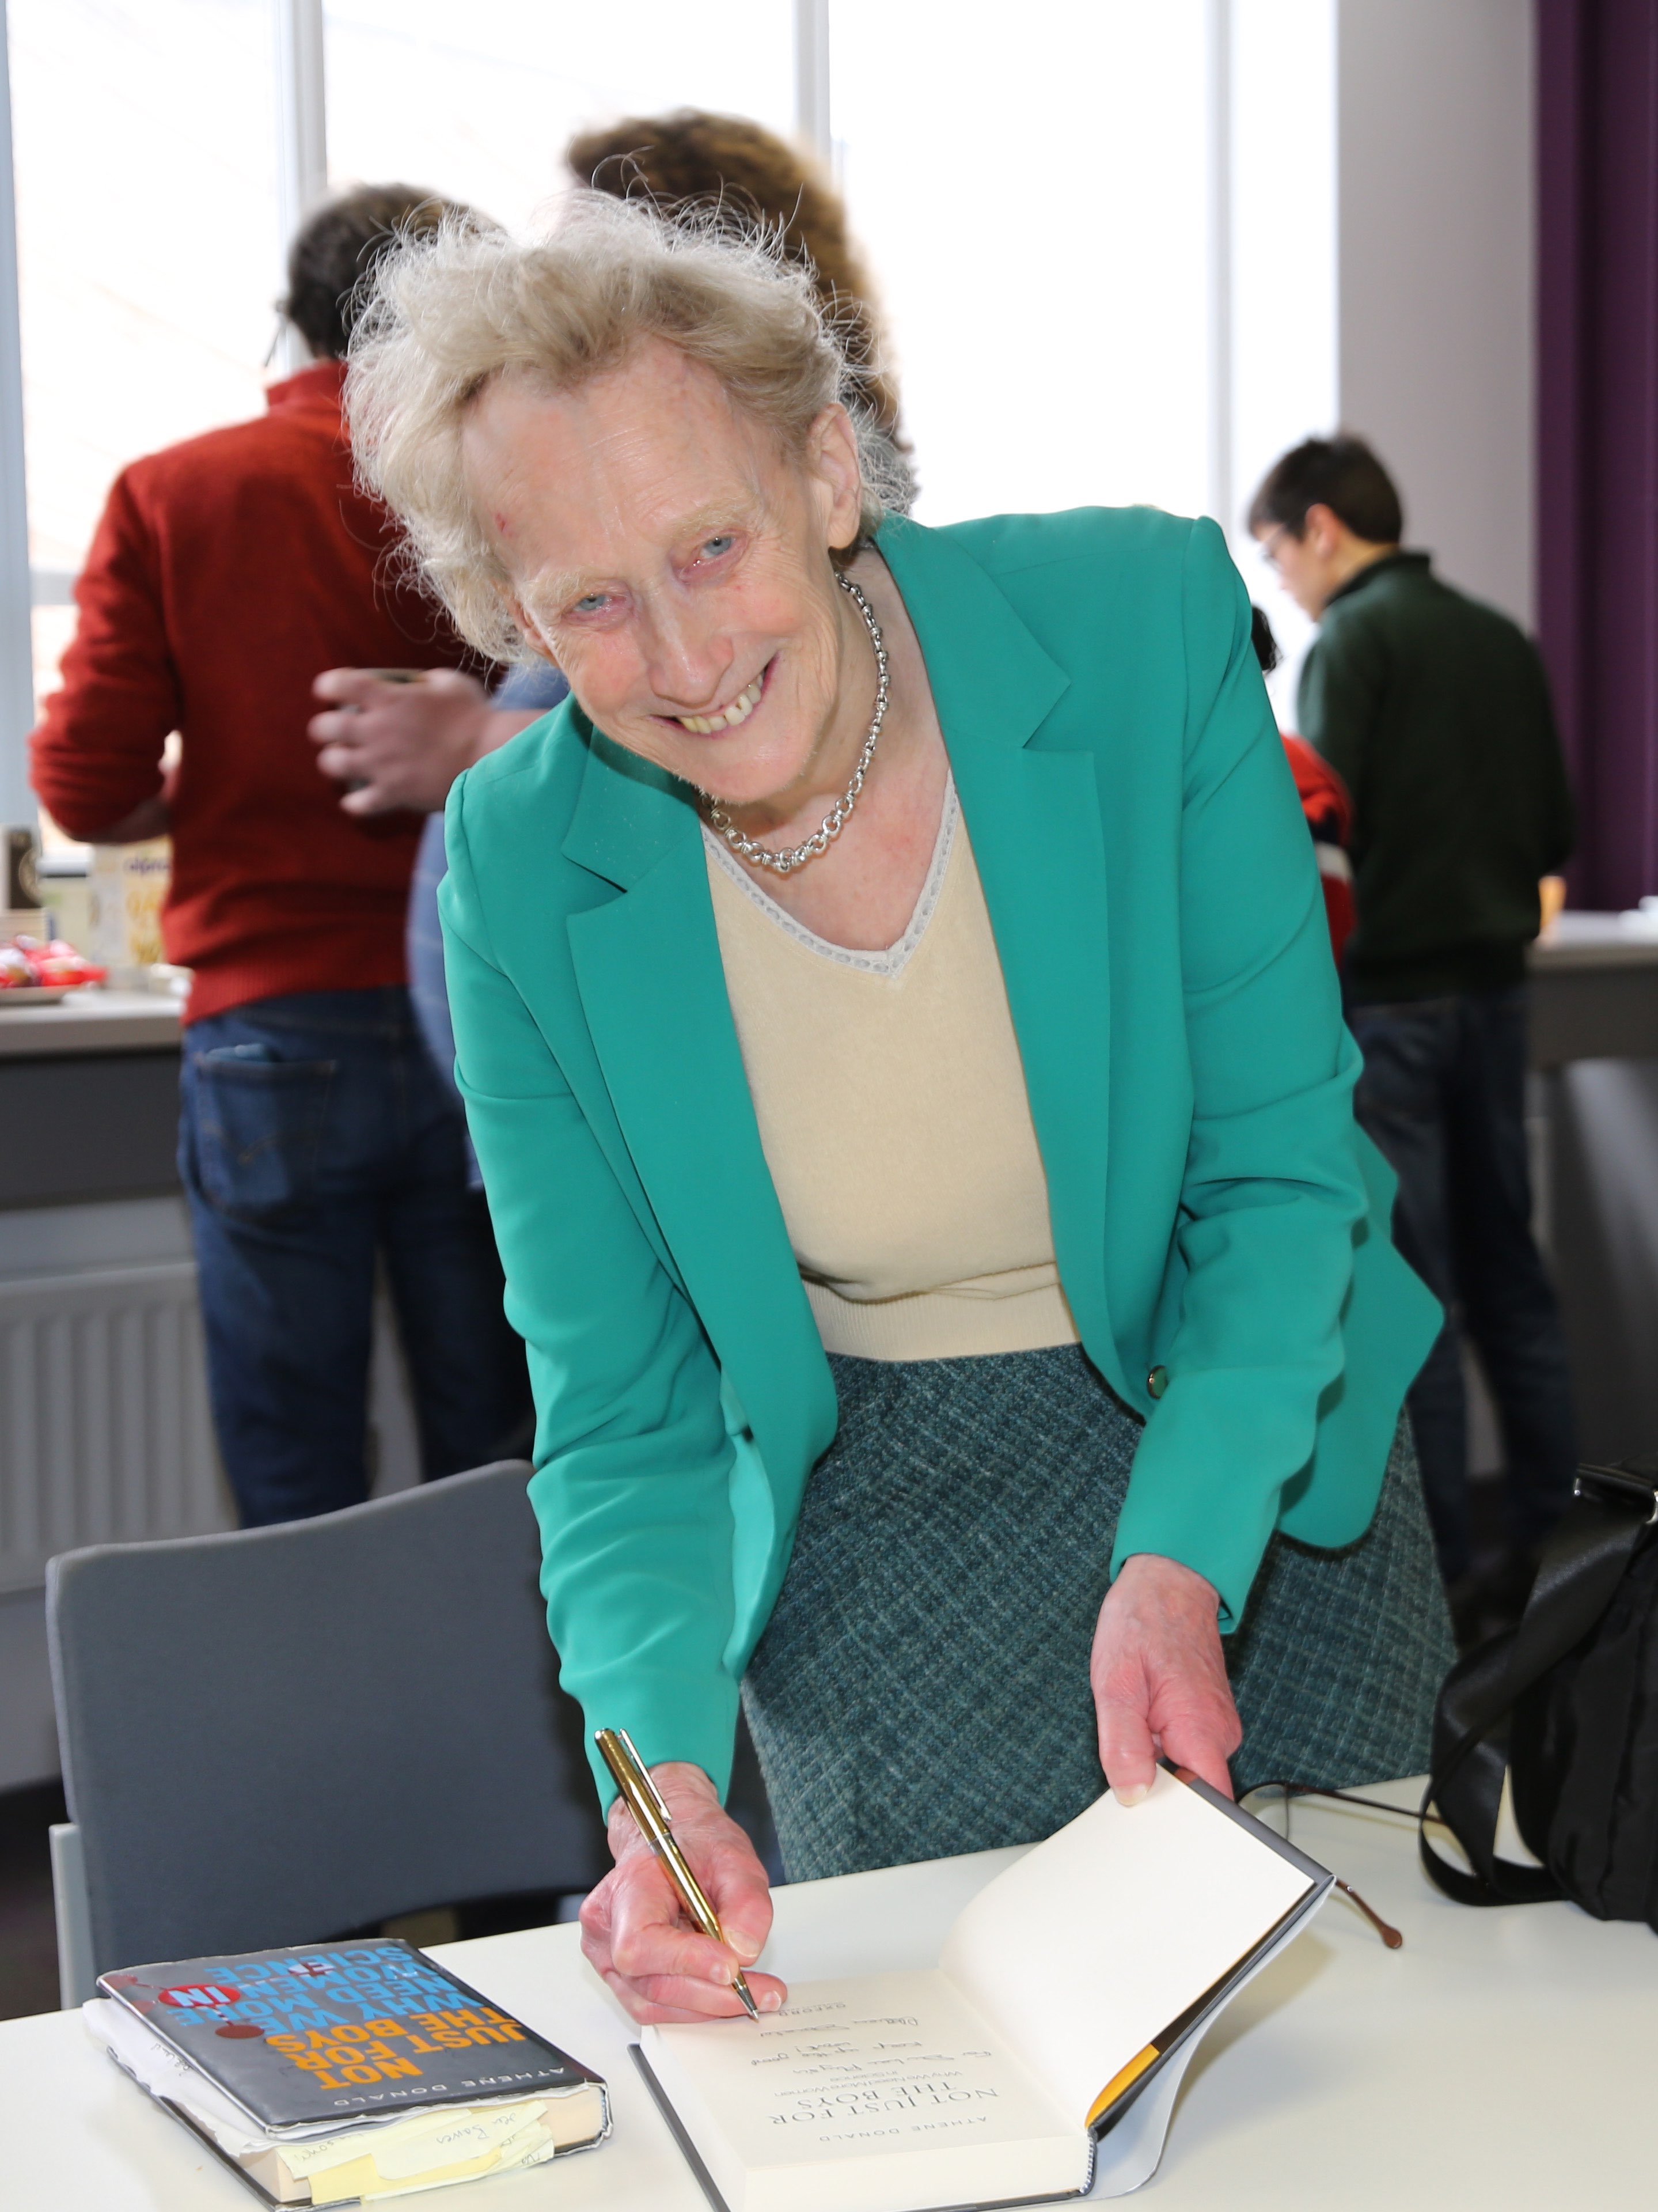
[(316, 1140)]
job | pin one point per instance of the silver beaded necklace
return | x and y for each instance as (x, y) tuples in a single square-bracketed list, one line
[(840, 814)]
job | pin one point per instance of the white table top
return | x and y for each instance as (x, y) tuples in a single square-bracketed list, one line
[(94, 1020), (1503, 2058), (1579, 939)]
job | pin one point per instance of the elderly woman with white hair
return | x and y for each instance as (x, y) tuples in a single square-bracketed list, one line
[(897, 1026)]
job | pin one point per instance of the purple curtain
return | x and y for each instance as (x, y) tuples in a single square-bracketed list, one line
[(1598, 424)]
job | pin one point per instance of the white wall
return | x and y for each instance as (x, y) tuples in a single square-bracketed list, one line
[(1436, 230)]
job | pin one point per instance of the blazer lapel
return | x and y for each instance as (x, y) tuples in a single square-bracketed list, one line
[(1031, 799), (648, 967)]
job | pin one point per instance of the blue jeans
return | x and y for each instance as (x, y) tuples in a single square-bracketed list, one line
[(428, 991), (1443, 1094), (315, 1141)]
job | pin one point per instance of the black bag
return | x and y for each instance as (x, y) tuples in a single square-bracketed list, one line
[(1568, 1703)]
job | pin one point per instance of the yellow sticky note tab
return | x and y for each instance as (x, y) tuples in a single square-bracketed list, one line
[(354, 2178), (465, 2169), (468, 2135), (362, 2177)]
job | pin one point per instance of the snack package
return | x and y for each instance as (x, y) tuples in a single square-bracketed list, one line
[(27, 962)]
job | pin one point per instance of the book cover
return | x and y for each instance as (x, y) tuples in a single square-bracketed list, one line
[(338, 2032)]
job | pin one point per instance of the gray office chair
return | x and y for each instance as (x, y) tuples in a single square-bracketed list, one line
[(287, 1734)]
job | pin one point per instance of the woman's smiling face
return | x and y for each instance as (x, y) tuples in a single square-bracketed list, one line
[(673, 560)]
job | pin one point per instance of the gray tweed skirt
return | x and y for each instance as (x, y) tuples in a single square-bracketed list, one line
[(922, 1688)]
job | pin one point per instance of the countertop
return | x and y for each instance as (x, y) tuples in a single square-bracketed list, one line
[(101, 1021), (90, 1020), (1596, 940)]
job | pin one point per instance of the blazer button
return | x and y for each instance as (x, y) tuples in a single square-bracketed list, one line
[(1157, 1381)]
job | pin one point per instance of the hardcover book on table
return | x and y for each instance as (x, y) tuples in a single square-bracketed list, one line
[(346, 2070)]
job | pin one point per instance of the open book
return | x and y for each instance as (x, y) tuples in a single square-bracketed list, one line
[(1051, 2035)]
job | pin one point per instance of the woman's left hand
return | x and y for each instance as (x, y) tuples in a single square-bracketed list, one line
[(1159, 1679)]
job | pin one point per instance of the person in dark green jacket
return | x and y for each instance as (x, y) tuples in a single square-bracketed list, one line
[(1435, 710)]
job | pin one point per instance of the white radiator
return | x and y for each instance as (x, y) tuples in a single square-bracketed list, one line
[(105, 1435), (104, 1430)]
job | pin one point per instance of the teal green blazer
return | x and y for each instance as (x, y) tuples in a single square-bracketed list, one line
[(1216, 1213)]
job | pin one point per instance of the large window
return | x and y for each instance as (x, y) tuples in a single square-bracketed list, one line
[(1105, 237), (478, 99), (148, 253), (1034, 193), (1279, 349), (1103, 232)]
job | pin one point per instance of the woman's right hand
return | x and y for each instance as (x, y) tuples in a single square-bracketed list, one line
[(634, 1930)]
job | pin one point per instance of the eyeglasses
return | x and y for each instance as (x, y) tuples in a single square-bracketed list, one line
[(1269, 545), (1290, 1790)]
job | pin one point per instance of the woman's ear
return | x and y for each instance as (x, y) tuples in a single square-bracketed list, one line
[(528, 628), (832, 461)]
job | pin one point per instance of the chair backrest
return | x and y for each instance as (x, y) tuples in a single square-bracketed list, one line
[(283, 1733)]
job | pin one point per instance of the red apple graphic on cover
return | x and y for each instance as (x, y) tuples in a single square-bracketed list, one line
[(210, 1996)]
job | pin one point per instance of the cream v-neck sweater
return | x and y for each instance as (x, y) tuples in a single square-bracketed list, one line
[(892, 1109)]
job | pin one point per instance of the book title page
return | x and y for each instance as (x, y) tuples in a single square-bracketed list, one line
[(883, 2063)]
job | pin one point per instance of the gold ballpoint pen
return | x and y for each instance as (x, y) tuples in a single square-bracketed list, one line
[(644, 1801)]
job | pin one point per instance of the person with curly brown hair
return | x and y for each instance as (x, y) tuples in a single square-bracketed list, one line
[(690, 157)]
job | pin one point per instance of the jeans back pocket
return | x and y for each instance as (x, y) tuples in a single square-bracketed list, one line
[(258, 1124)]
